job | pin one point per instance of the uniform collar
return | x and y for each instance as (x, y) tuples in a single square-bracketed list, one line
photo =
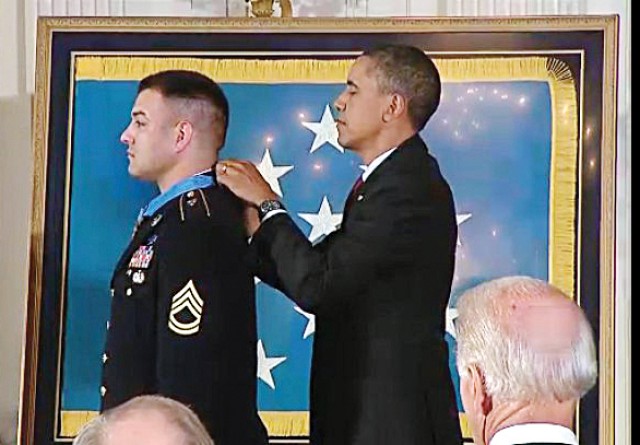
[(534, 433), (201, 180)]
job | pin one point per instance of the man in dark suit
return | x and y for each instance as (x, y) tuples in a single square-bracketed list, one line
[(183, 309), (379, 285), (526, 355)]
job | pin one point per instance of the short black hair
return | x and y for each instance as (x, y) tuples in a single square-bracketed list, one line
[(408, 71), (184, 84)]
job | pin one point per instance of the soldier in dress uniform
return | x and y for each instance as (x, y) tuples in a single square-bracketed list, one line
[(182, 319)]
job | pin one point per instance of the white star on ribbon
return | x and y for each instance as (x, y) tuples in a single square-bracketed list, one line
[(460, 218), (324, 222), (325, 130), (271, 173), (450, 327), (266, 364), (311, 322)]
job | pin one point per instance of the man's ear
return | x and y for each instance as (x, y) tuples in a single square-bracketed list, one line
[(396, 107), (482, 401), (184, 133)]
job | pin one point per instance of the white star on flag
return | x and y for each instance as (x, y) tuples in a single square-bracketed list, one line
[(460, 218), (311, 322), (325, 130), (324, 222), (271, 173), (266, 364), (450, 327)]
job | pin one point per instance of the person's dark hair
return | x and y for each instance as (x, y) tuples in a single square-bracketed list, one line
[(190, 85), (408, 71)]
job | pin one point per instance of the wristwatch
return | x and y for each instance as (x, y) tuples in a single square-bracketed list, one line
[(269, 205)]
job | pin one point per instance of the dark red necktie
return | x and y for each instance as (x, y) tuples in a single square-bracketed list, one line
[(353, 193)]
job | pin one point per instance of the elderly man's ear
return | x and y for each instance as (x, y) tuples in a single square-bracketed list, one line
[(474, 392)]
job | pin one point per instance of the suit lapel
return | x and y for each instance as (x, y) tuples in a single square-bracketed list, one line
[(402, 155)]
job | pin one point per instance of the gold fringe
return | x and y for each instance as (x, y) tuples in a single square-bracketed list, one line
[(563, 178), (231, 70), (221, 70), (465, 427), (286, 423), (71, 422), (278, 423)]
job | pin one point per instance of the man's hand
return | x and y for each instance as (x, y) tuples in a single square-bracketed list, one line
[(244, 180)]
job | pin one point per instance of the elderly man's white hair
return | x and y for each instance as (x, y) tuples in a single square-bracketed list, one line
[(186, 422), (547, 353)]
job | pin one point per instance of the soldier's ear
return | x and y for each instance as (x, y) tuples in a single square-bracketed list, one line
[(183, 135)]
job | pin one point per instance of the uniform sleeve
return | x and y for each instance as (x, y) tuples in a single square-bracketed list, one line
[(388, 230), (205, 319)]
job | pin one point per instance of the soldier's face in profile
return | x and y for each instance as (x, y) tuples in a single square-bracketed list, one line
[(150, 136), (144, 427)]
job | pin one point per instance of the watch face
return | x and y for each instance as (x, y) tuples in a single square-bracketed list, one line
[(269, 205)]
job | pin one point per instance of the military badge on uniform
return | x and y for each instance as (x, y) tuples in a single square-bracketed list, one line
[(138, 277), (186, 311), (142, 257), (152, 239), (156, 220)]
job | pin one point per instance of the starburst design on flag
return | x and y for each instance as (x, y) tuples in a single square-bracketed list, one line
[(325, 130), (272, 173), (266, 364), (324, 222)]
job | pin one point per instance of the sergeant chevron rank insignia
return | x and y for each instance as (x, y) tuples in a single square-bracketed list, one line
[(186, 311)]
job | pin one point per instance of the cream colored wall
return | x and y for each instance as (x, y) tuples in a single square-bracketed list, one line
[(15, 202), (17, 36)]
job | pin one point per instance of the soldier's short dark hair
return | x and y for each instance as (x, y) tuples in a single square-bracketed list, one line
[(184, 84), (408, 71)]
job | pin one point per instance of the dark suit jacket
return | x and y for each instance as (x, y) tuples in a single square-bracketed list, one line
[(183, 316), (379, 287)]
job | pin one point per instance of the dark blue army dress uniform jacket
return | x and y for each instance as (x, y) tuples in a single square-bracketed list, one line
[(182, 319)]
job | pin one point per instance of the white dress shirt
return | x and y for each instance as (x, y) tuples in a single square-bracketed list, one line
[(534, 433)]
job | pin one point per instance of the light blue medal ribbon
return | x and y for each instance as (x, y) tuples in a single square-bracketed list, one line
[(184, 186)]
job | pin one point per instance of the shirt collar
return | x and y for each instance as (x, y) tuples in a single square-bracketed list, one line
[(201, 180), (376, 162), (534, 433)]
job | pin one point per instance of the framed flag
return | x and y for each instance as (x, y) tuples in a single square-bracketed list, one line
[(525, 135)]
